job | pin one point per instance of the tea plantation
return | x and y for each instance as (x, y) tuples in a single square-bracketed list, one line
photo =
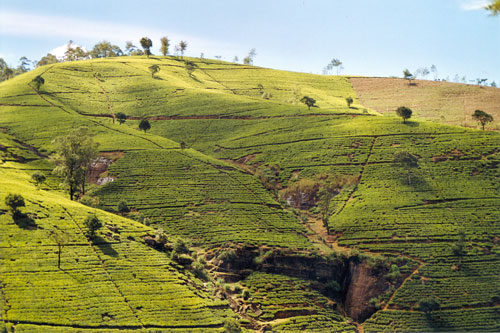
[(216, 128)]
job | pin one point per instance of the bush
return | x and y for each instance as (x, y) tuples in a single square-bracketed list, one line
[(123, 207), (92, 223), (428, 305), (38, 178), (180, 246), (245, 294), (14, 201), (394, 273), (232, 326)]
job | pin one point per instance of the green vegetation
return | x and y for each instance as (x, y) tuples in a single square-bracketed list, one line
[(482, 117), (14, 202), (404, 113), (216, 168)]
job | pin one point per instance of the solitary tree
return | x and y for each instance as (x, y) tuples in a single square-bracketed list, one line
[(37, 82), (182, 47), (248, 60), (349, 101), (144, 125), (494, 7), (309, 101), (38, 178), (427, 305), (154, 69), (92, 223), (404, 113), (335, 63), (123, 207), (482, 117), (122, 117), (146, 44), (14, 201), (74, 153), (165, 43), (406, 160), (61, 238), (408, 76)]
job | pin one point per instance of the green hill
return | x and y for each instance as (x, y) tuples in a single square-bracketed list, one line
[(244, 193)]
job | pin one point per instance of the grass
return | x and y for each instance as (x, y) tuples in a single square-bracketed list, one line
[(208, 194)]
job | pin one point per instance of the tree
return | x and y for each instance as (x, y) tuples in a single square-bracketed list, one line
[(494, 7), (493, 84), (47, 60), (427, 305), (75, 53), (458, 248), (236, 59), (482, 117), (37, 82), (406, 160), (123, 207), (144, 125), (122, 117), (132, 50), (327, 191), (435, 71), (104, 49), (309, 101), (74, 153), (38, 178), (404, 113), (165, 43), (248, 60), (182, 47), (408, 76), (92, 223), (24, 65), (154, 69), (480, 81), (14, 201), (335, 63), (146, 44), (61, 238), (349, 101)]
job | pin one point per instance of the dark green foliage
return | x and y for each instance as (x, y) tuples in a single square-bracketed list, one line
[(146, 44), (38, 178), (47, 60), (349, 101), (407, 161), (73, 156), (408, 76), (182, 144), (459, 249), (165, 43), (232, 326), (122, 117), (154, 69), (37, 82), (428, 305), (92, 223), (394, 273), (182, 47), (123, 207), (14, 201), (104, 49), (181, 247), (404, 113), (144, 125), (309, 101), (482, 117)]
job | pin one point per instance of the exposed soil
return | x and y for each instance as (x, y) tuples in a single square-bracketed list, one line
[(98, 170)]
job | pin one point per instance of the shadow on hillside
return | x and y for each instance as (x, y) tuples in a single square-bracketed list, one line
[(194, 78), (412, 123), (24, 221), (105, 247)]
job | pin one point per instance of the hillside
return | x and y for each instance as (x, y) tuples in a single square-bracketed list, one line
[(267, 258), (444, 102)]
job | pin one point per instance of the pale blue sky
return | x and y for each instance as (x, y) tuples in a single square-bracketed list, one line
[(371, 37)]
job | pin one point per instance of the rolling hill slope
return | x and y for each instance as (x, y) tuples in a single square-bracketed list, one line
[(239, 123)]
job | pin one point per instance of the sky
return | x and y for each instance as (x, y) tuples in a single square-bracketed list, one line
[(370, 37)]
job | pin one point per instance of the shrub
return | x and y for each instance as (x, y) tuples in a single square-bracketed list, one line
[(123, 207), (180, 246), (92, 223), (428, 305), (14, 201), (394, 273), (38, 178), (232, 326), (245, 294), (227, 255)]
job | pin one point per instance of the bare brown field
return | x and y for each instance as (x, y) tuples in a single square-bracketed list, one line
[(444, 102)]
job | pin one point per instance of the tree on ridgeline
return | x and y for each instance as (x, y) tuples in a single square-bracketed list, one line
[(74, 53), (47, 60), (74, 154), (122, 117), (404, 113), (154, 69), (248, 60), (24, 65), (146, 44), (309, 101), (5, 71), (349, 101), (335, 63), (132, 50), (182, 47), (165, 43), (407, 161), (104, 49), (493, 84), (435, 71), (480, 81), (144, 125), (408, 76), (482, 117)]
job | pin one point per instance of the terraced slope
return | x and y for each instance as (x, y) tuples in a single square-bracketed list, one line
[(208, 192), (443, 102)]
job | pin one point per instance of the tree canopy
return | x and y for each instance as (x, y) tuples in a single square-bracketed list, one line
[(74, 153), (494, 7), (104, 49), (144, 125), (482, 117), (165, 43), (404, 113), (309, 101), (146, 44)]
